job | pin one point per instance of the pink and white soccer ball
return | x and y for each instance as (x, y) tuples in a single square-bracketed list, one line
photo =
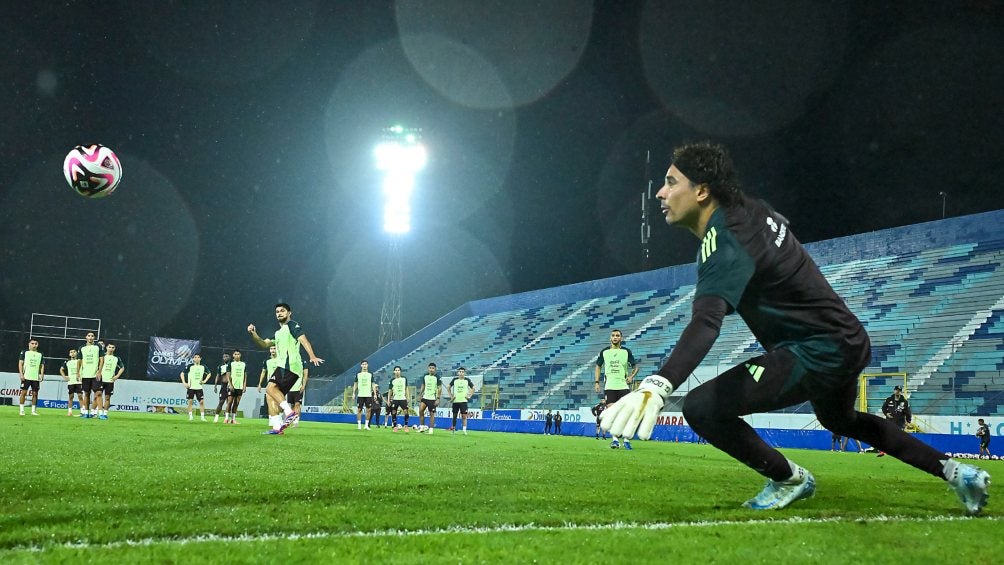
[(93, 171)]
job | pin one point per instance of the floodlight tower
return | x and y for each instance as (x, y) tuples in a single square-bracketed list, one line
[(400, 156)]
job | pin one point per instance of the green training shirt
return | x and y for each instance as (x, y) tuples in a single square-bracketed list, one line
[(111, 366), (32, 364), (287, 347), (431, 388), (399, 387), (89, 356), (72, 374), (615, 363), (461, 388), (238, 374), (364, 384), (195, 373), (269, 365)]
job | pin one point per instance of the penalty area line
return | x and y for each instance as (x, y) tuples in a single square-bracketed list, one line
[(503, 528)]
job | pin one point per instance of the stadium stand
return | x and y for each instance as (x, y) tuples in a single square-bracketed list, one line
[(931, 296)]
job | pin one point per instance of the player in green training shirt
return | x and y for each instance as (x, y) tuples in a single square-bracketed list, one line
[(461, 391), (267, 368), (288, 339), (110, 370), (193, 377), (237, 382), (364, 390), (749, 262), (616, 361), (32, 372), (429, 394), (70, 374), (399, 397), (87, 368)]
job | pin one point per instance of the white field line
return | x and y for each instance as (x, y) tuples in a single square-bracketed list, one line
[(616, 526)]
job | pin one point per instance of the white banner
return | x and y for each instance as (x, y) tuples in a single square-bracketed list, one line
[(132, 395)]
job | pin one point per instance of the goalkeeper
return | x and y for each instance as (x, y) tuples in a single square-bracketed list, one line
[(749, 262)]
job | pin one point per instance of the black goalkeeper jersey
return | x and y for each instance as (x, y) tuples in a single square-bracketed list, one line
[(750, 258)]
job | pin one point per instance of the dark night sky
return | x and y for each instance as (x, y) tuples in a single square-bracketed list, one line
[(246, 132)]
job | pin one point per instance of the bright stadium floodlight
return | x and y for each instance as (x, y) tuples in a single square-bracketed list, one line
[(400, 157)]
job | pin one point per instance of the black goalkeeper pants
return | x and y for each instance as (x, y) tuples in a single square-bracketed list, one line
[(778, 380)]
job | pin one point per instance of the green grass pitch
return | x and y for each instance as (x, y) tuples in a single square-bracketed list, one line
[(142, 488)]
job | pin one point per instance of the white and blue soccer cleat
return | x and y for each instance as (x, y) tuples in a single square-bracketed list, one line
[(971, 484), (779, 494), (615, 444), (627, 445)]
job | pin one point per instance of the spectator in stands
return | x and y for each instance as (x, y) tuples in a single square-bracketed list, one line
[(428, 395), (983, 432), (619, 369), (363, 390), (221, 384), (557, 423), (597, 411), (73, 386), (193, 377), (461, 392), (399, 397), (749, 262), (31, 369), (237, 380), (548, 419)]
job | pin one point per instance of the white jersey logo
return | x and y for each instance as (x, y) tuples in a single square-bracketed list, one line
[(780, 229)]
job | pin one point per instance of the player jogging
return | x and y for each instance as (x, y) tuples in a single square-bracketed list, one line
[(615, 361), (31, 369), (750, 262), (70, 373), (429, 395), (289, 366), (461, 391)]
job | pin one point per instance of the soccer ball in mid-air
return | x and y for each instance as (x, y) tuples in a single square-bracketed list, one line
[(93, 170)]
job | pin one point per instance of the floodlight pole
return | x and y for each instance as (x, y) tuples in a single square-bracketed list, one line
[(646, 228), (390, 313)]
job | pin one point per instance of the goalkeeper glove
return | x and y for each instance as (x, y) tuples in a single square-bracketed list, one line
[(639, 410)]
